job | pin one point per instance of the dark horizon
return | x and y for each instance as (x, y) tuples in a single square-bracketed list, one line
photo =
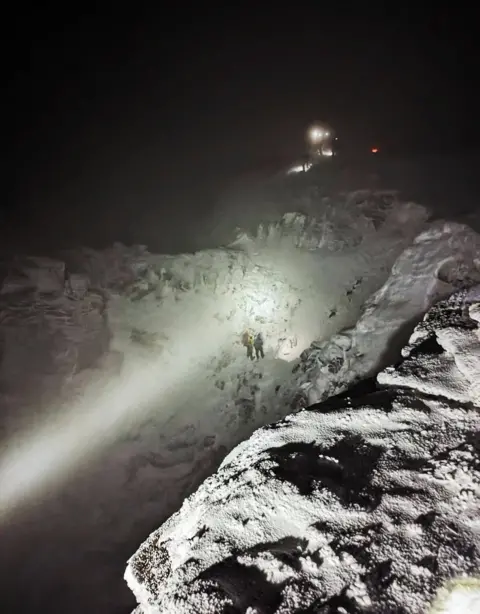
[(130, 116)]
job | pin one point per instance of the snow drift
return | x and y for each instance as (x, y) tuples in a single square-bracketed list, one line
[(359, 504)]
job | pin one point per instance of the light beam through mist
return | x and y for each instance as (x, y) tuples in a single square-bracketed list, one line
[(43, 457)]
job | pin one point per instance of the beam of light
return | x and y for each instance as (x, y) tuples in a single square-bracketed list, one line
[(36, 461)]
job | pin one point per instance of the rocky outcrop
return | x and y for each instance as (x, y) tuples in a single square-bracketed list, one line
[(52, 325), (440, 260), (360, 504), (342, 222)]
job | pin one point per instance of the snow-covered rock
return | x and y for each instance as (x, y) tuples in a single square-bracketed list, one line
[(51, 326), (38, 274), (418, 278), (360, 504), (329, 224)]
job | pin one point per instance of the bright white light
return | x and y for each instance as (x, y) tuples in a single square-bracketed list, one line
[(458, 596), (317, 135), (261, 305)]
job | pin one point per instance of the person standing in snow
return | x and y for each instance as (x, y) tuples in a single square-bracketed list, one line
[(248, 341), (258, 343)]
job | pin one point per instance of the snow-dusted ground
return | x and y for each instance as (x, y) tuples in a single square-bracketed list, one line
[(134, 431), (368, 504)]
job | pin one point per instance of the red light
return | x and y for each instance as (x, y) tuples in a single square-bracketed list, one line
[(374, 149)]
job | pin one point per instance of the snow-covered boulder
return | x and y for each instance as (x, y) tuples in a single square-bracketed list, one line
[(360, 504)]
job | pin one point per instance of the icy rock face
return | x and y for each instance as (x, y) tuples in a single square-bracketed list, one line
[(439, 260), (366, 504), (450, 329), (50, 326)]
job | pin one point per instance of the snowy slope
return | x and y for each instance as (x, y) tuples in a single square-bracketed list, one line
[(175, 326), (366, 504), (155, 387)]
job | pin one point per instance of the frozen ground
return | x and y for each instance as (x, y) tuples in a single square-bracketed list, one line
[(123, 388), (360, 504)]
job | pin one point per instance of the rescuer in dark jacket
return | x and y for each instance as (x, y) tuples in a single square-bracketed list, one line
[(258, 344)]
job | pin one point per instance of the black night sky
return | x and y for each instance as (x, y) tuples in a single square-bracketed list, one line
[(129, 119)]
